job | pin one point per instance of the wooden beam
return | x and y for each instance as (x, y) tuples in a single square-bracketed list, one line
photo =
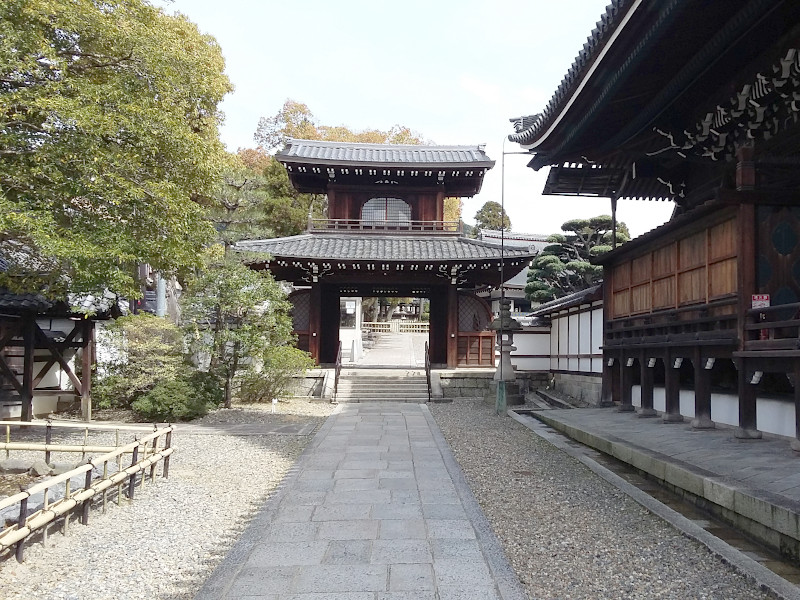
[(49, 364), (56, 354), (10, 376), (86, 369)]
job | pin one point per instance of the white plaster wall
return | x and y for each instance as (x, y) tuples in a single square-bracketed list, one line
[(532, 341), (772, 415)]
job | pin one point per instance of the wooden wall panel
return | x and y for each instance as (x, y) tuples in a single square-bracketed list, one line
[(640, 298), (722, 241), (692, 286), (664, 293), (622, 276), (664, 261), (722, 278), (622, 303), (640, 269), (692, 250)]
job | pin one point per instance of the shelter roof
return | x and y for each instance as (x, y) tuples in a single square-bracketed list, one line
[(378, 247), (383, 155)]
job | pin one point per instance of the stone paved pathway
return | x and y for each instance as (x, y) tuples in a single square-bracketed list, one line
[(375, 509)]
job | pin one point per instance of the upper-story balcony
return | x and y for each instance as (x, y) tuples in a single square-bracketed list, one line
[(398, 227)]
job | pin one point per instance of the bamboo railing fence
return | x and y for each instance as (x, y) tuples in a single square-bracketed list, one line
[(100, 475)]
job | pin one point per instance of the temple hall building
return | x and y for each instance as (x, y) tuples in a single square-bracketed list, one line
[(695, 103)]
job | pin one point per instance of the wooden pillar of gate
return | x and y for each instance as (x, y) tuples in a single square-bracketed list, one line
[(796, 370), (452, 326), (314, 321)]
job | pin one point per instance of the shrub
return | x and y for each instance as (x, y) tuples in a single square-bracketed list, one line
[(279, 365), (181, 399)]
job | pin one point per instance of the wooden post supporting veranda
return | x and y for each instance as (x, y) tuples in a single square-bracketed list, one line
[(672, 388), (646, 365), (748, 391), (626, 379), (796, 440), (452, 326), (702, 390)]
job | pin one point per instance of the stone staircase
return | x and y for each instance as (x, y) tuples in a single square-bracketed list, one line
[(382, 386)]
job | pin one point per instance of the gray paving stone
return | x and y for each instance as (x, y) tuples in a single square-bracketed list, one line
[(415, 595), (252, 582), (397, 510), (359, 497), (341, 512), (355, 473), (342, 578), (348, 530), (398, 483), (348, 552), (444, 549), (443, 511), (298, 513), (411, 577), (396, 551), (402, 529), (451, 529), (292, 532), (287, 554), (462, 574), (349, 485)]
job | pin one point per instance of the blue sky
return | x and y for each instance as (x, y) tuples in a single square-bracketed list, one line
[(453, 71)]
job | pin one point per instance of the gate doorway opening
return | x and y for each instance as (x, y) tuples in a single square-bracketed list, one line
[(384, 331)]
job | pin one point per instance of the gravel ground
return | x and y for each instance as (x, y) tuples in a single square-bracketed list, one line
[(568, 533), (176, 531)]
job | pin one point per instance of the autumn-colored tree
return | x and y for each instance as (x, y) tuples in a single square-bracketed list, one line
[(295, 120), (564, 266)]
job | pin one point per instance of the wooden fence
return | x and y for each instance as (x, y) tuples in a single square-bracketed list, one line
[(396, 326), (100, 475)]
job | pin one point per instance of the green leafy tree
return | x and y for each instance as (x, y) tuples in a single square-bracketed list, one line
[(564, 266), (273, 377), (108, 133), (234, 315), (492, 216)]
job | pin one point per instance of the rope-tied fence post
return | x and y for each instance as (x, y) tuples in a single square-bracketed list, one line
[(23, 517), (132, 479)]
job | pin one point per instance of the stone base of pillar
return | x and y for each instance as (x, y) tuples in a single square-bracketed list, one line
[(795, 445), (626, 408), (514, 397), (672, 418), (742, 433), (703, 423), (644, 413)]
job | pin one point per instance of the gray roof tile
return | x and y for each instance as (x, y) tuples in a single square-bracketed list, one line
[(313, 151), (380, 247)]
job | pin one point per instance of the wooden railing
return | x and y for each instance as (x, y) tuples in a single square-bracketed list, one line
[(358, 225), (712, 323), (396, 326), (775, 328), (337, 371), (58, 502), (428, 369)]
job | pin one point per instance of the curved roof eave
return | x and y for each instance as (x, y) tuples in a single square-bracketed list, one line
[(578, 75)]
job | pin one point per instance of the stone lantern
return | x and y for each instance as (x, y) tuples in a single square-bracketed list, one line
[(505, 379)]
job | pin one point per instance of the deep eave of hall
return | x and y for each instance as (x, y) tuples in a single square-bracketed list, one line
[(313, 166), (635, 109), (343, 258)]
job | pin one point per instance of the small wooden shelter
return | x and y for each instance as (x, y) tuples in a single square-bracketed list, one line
[(696, 102), (46, 354), (386, 235)]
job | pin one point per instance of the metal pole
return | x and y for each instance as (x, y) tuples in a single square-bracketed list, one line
[(500, 402)]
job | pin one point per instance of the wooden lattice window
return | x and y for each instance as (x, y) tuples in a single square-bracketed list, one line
[(378, 211)]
